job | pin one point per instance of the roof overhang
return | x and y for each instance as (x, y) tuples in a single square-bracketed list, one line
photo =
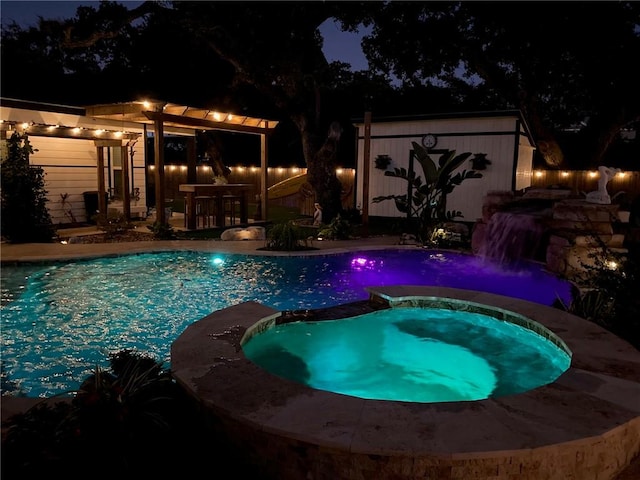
[(180, 116)]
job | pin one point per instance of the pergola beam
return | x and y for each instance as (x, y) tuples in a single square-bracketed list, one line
[(179, 120), (162, 115)]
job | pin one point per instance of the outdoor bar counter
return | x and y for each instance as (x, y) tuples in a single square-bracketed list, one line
[(218, 191)]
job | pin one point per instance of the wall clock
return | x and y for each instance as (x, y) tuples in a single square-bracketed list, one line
[(429, 140)]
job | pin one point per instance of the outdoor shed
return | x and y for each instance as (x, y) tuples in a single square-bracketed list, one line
[(502, 136)]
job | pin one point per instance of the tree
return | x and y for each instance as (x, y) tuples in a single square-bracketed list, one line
[(563, 64), (270, 56), (25, 217)]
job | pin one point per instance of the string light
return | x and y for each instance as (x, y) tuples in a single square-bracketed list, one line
[(58, 130)]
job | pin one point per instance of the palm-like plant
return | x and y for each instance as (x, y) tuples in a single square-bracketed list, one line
[(124, 414), (426, 199)]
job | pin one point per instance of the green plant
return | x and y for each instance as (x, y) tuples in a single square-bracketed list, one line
[(607, 293), (66, 207), (25, 217), (427, 198), (591, 304), (122, 414), (286, 236), (113, 223), (480, 161), (447, 235), (382, 161), (338, 229), (162, 231)]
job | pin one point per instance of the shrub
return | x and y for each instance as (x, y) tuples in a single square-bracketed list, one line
[(286, 236), (338, 229), (124, 416), (25, 217), (113, 223), (162, 231), (607, 294)]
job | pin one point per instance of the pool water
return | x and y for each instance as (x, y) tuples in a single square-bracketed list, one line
[(60, 320), (410, 354)]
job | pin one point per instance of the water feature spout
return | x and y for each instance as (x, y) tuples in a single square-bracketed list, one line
[(512, 237)]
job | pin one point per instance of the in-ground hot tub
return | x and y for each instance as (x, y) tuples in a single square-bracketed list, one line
[(584, 424), (422, 350)]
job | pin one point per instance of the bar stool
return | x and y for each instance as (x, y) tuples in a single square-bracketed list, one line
[(205, 209), (230, 203)]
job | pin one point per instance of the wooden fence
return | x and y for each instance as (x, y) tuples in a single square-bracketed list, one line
[(177, 174), (625, 186)]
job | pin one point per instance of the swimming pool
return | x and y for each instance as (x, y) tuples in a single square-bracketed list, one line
[(60, 320)]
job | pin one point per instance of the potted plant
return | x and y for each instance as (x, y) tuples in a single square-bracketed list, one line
[(382, 161)]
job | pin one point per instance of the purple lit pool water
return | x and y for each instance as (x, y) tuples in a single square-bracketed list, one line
[(60, 320)]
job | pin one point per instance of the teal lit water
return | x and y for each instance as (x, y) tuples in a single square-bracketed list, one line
[(410, 354), (60, 320)]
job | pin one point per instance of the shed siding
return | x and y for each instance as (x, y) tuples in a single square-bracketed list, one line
[(495, 136)]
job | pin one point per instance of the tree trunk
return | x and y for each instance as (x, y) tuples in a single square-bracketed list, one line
[(321, 171), (548, 147)]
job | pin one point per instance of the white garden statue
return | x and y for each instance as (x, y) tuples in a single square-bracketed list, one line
[(601, 195), (317, 215)]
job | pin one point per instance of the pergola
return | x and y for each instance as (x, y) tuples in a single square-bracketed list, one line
[(162, 115)]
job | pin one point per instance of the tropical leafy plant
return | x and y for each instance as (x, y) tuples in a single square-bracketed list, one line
[(113, 223), (67, 208), (25, 217), (122, 415), (286, 236), (338, 228), (428, 195), (162, 231), (382, 161), (606, 292)]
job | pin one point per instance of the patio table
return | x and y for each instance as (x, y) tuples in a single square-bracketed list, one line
[(218, 191)]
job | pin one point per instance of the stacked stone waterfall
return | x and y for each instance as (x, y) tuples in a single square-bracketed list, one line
[(564, 233)]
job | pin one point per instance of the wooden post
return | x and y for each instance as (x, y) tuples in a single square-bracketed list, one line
[(192, 154), (158, 146), (366, 162), (102, 203), (126, 185), (264, 164)]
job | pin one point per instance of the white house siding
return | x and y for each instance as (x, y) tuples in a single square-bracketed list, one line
[(70, 167), (69, 164), (493, 135)]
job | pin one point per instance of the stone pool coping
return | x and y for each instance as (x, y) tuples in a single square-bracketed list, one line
[(584, 425)]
